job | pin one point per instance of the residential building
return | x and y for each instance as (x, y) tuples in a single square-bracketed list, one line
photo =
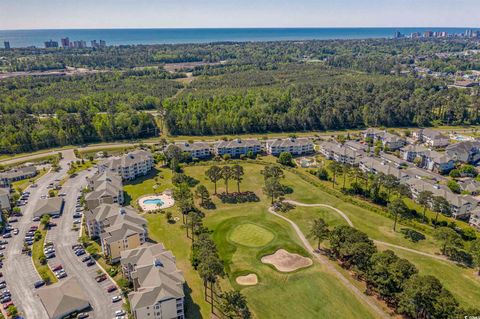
[(121, 236), (465, 152), (237, 147), (6, 45), (339, 153), (438, 162), (376, 166), (103, 43), (63, 298), (157, 283), (410, 152), (4, 199), (6, 178), (51, 44), (80, 44), (357, 146), (431, 138), (388, 140), (65, 43), (294, 146), (106, 188), (475, 218), (470, 186), (393, 160), (107, 215), (130, 165), (196, 149), (49, 206)]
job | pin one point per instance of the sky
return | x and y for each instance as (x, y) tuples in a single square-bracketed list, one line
[(75, 14)]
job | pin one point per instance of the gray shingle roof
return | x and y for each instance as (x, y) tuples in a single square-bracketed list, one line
[(48, 206)]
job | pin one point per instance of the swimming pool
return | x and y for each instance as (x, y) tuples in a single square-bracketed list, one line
[(156, 201)]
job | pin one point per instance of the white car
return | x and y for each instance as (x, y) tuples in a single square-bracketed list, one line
[(116, 298), (119, 313)]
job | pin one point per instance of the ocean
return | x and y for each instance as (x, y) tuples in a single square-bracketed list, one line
[(24, 38)]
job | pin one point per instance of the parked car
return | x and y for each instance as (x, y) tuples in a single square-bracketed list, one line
[(57, 268), (38, 284), (116, 298), (80, 252), (82, 315), (77, 215), (2, 247), (112, 288), (34, 227), (6, 299), (7, 235), (15, 231), (120, 313), (36, 219), (101, 278), (7, 304), (3, 242), (90, 263), (3, 285), (50, 255), (86, 258)]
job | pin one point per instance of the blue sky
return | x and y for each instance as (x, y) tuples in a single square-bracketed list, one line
[(41, 14)]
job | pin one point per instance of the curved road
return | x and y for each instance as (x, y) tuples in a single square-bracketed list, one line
[(349, 222)]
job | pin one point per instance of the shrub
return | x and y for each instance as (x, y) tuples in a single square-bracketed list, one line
[(180, 178), (283, 207), (235, 198)]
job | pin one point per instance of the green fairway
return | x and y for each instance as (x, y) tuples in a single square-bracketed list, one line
[(251, 235)]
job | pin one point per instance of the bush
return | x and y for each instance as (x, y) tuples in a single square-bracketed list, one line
[(180, 178), (283, 207), (412, 235), (235, 198)]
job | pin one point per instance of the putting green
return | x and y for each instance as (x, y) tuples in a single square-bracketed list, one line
[(251, 235)]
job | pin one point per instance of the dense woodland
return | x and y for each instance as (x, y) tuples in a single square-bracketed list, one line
[(258, 87)]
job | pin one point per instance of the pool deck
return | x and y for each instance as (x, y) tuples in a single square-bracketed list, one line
[(167, 200)]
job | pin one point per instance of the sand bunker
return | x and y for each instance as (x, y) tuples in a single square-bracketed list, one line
[(248, 280), (285, 261)]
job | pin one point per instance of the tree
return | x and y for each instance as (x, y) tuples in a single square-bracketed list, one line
[(210, 268), (319, 231), (184, 198), (202, 193), (390, 182), (214, 173), (272, 171), (237, 175), (424, 297), (334, 167), (440, 205), (169, 216), (397, 208), (454, 187), (424, 199), (285, 158), (227, 174), (475, 252), (448, 237), (234, 305), (45, 220), (272, 188), (173, 155)]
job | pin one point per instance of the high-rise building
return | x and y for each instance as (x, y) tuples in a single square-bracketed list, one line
[(103, 43), (51, 44), (428, 34), (415, 35), (397, 35), (65, 43), (7, 45), (94, 44), (469, 33), (80, 44)]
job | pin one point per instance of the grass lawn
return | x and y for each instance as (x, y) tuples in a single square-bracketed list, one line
[(37, 252), (24, 183), (250, 235), (145, 185)]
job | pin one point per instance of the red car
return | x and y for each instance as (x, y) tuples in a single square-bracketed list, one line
[(57, 267), (34, 228), (111, 288), (101, 278), (7, 304)]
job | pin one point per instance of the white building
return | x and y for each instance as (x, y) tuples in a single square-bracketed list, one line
[(237, 147), (294, 146), (196, 149), (129, 166)]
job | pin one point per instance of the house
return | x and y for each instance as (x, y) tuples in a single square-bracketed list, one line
[(357, 146), (372, 133), (339, 153), (6, 178), (465, 152), (5, 199), (130, 165), (237, 147), (63, 298), (294, 146), (412, 151), (49, 206), (388, 140), (475, 218), (375, 166), (106, 188), (196, 149), (392, 159), (471, 186), (431, 137), (157, 283), (106, 215)]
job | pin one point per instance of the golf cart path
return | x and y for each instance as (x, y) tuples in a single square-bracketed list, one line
[(324, 261), (349, 222)]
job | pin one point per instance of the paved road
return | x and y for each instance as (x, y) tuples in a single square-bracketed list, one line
[(64, 237), (19, 272), (349, 222), (324, 261)]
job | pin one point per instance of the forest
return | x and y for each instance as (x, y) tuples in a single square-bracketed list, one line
[(258, 87)]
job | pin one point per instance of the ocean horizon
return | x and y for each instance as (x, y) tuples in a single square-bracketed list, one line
[(37, 37)]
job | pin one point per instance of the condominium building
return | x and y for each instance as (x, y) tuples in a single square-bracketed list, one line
[(157, 283), (121, 236), (340, 153), (106, 188), (431, 137), (237, 147), (196, 149), (294, 146), (130, 165), (6, 178)]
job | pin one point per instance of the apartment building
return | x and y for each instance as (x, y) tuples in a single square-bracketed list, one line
[(412, 151), (339, 153), (196, 149), (121, 236), (130, 165), (431, 138), (475, 218), (106, 188), (464, 152), (6, 178), (294, 146), (157, 283), (237, 147)]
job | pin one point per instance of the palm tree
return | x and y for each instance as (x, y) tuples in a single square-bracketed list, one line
[(319, 230), (424, 198), (238, 175), (214, 173), (227, 174)]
